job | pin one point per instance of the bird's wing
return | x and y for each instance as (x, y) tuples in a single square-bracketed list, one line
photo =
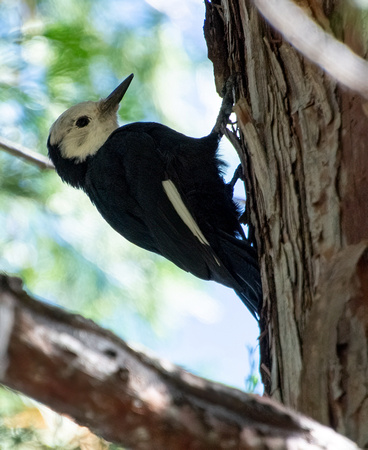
[(165, 211), (109, 190)]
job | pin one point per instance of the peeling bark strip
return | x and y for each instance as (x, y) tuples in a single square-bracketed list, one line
[(320, 47), (77, 368), (305, 159)]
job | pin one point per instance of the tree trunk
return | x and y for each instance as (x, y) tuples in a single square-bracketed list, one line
[(303, 139)]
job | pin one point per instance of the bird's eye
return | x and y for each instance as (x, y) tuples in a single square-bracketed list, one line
[(82, 121)]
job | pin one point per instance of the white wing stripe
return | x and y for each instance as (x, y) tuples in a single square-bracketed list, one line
[(182, 210)]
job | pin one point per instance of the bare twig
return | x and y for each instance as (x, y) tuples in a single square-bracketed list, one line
[(322, 48), (77, 368), (25, 153)]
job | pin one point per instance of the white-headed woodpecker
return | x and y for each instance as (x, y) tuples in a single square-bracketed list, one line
[(159, 189)]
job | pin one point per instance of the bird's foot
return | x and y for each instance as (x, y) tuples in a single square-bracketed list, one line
[(238, 174), (226, 106)]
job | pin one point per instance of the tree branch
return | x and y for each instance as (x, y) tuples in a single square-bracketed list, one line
[(320, 47), (80, 369), (25, 153)]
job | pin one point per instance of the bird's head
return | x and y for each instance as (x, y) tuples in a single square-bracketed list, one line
[(82, 129)]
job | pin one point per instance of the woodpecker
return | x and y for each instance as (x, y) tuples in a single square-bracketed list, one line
[(158, 188)]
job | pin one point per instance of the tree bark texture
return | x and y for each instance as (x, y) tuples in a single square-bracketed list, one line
[(303, 146), (77, 368)]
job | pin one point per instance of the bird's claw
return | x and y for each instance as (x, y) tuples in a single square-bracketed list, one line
[(226, 109)]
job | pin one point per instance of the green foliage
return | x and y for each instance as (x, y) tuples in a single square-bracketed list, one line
[(25, 425), (54, 54), (252, 381)]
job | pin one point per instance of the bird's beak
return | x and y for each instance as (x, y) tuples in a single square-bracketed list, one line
[(112, 101)]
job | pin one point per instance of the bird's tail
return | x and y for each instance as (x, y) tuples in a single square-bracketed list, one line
[(243, 268)]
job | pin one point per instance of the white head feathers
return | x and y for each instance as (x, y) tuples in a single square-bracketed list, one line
[(82, 129), (77, 141)]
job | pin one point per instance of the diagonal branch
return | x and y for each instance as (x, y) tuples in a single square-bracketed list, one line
[(25, 153), (320, 47), (82, 370)]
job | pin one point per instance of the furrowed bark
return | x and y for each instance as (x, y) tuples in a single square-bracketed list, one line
[(304, 152)]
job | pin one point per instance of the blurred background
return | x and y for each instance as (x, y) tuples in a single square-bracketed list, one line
[(53, 55)]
